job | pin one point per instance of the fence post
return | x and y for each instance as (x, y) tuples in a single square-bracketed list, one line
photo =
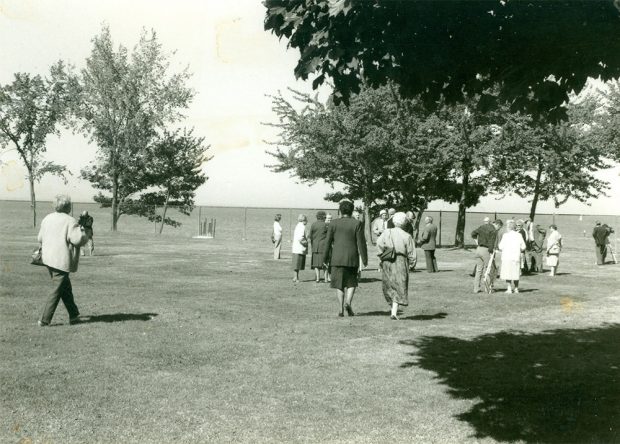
[(440, 229), (245, 223)]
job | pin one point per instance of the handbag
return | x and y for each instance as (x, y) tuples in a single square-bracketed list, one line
[(554, 249), (36, 258), (388, 254)]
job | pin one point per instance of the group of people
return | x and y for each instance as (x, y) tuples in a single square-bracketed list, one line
[(601, 233), (518, 249)]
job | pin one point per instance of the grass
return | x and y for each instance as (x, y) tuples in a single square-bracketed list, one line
[(195, 341)]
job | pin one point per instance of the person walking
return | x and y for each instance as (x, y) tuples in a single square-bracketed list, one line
[(300, 246), (428, 243), (485, 238), (345, 245), (60, 238), (276, 236), (601, 234), (395, 271), (318, 234), (537, 234), (380, 224), (512, 247), (554, 248), (86, 221)]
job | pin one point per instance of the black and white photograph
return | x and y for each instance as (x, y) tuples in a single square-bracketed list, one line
[(309, 221)]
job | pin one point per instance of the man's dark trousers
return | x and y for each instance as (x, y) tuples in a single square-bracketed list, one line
[(431, 262), (601, 254), (61, 290)]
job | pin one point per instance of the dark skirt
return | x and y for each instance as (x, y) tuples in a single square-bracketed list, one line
[(343, 277), (299, 262), (317, 260), (396, 280)]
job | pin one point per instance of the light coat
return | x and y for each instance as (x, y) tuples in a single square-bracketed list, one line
[(61, 238)]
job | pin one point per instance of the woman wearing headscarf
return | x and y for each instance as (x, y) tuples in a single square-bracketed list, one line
[(60, 238), (345, 245), (299, 246), (554, 248), (395, 272), (512, 246), (318, 233)]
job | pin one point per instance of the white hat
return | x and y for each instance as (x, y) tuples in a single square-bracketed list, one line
[(382, 212)]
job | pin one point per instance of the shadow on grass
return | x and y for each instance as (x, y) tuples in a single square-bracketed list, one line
[(553, 387), (408, 318), (368, 280), (119, 317)]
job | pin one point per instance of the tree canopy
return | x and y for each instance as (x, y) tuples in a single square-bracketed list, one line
[(537, 50)]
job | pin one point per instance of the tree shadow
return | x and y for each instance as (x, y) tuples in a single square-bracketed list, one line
[(558, 386), (368, 280), (119, 317)]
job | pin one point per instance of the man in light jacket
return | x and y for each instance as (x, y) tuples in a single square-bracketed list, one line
[(60, 238)]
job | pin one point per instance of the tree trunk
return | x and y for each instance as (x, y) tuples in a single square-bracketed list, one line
[(163, 217), (33, 200), (115, 208), (459, 237), (418, 220), (536, 192)]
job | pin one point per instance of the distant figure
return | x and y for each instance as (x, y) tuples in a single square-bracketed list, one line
[(496, 261), (395, 274), (485, 239), (520, 228), (60, 238), (512, 246), (300, 246), (428, 243), (276, 236), (345, 245), (328, 220), (554, 248), (601, 234), (86, 222), (318, 235), (379, 225), (536, 236), (358, 216), (390, 222)]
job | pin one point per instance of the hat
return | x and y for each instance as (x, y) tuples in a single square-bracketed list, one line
[(382, 212)]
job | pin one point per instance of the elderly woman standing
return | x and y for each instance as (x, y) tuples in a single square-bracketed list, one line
[(318, 233), (554, 248), (512, 246), (328, 220), (61, 238), (395, 273), (300, 246)]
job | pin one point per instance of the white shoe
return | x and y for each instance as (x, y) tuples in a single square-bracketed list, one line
[(516, 290), (509, 291)]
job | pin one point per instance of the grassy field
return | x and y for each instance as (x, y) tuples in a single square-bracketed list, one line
[(209, 340)]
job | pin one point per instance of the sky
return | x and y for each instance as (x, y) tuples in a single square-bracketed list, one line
[(235, 66)]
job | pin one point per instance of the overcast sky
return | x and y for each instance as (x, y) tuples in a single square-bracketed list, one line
[(234, 62)]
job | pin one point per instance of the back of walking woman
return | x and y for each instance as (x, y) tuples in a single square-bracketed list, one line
[(61, 237), (395, 273)]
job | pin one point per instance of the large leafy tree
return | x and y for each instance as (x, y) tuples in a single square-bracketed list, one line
[(545, 161), (125, 100), (31, 109), (537, 50)]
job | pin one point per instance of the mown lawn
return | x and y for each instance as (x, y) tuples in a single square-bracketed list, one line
[(209, 340)]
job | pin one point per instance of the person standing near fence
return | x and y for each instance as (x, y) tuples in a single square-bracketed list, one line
[(276, 236), (345, 245), (428, 243), (60, 238), (318, 233), (601, 234), (485, 238)]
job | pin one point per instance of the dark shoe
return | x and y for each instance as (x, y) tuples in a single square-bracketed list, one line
[(42, 324), (75, 320), (349, 310), (341, 315)]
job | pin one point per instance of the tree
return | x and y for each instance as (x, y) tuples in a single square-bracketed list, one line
[(124, 102), (538, 51), (550, 161), (174, 167), (31, 109), (604, 123)]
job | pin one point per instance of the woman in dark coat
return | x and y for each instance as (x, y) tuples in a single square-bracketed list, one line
[(318, 233), (345, 245)]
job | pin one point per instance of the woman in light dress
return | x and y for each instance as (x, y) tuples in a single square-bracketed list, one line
[(511, 246), (554, 248), (300, 246), (395, 274)]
